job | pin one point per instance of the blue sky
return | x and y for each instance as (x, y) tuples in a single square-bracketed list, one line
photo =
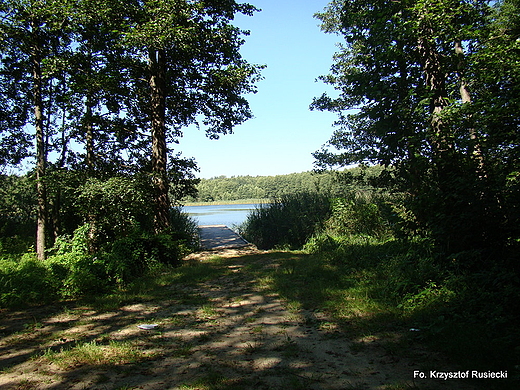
[(284, 132)]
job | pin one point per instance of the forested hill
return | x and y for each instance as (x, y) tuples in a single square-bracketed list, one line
[(224, 188)]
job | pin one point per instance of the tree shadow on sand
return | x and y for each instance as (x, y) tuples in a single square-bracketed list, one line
[(240, 322)]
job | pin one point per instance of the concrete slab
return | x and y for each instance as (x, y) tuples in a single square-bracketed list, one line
[(220, 237)]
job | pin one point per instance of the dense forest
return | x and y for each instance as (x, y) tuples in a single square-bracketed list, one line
[(428, 103), (224, 188)]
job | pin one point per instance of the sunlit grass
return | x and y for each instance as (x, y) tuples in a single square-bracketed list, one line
[(94, 354), (158, 285), (308, 282), (207, 312)]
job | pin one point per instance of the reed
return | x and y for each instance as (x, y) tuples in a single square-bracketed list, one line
[(287, 222)]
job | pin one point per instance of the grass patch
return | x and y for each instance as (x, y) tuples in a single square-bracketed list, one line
[(207, 312), (182, 350), (158, 285), (213, 380), (94, 354)]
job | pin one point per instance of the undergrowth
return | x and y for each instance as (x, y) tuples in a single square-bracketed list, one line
[(469, 316), (380, 294), (73, 270), (373, 274)]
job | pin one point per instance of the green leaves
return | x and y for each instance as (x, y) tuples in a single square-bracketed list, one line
[(424, 87), (116, 206)]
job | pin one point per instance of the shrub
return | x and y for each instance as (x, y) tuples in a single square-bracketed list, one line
[(114, 207), (184, 229), (133, 255), (361, 213), (25, 281), (76, 274), (72, 270)]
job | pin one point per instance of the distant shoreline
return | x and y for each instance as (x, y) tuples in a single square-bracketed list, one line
[(224, 202)]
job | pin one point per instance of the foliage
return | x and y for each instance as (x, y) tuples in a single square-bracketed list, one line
[(286, 222), (184, 228), (360, 214), (368, 286), (348, 203), (134, 255), (72, 271), (115, 206), (269, 187), (16, 213), (424, 89), (24, 280)]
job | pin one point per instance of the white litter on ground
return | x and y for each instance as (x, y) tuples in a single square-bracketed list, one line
[(147, 326)]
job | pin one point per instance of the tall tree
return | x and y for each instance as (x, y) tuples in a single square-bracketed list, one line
[(100, 82), (194, 70), (32, 32), (118, 76)]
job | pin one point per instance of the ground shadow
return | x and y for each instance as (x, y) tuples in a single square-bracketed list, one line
[(235, 328)]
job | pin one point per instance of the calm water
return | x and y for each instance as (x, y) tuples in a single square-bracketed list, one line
[(229, 214)]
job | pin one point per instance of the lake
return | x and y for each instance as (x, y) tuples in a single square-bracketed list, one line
[(225, 214)]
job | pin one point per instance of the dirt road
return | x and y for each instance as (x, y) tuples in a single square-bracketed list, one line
[(224, 330)]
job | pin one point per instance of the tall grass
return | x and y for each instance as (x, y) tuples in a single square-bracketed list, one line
[(290, 221), (287, 222)]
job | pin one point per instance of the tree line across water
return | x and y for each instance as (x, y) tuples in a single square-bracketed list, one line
[(233, 188)]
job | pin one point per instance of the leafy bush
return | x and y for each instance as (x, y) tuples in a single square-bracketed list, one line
[(77, 274), (286, 222), (132, 256), (24, 282), (126, 258), (72, 270), (184, 229), (114, 207)]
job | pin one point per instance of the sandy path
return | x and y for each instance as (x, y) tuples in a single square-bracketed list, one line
[(225, 333)]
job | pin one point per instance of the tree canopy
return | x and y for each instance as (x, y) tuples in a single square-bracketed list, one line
[(423, 88), (104, 87)]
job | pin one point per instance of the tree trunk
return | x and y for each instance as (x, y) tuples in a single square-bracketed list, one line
[(436, 83), (89, 136), (54, 219), (89, 161), (41, 150), (159, 147), (465, 95), (88, 119)]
